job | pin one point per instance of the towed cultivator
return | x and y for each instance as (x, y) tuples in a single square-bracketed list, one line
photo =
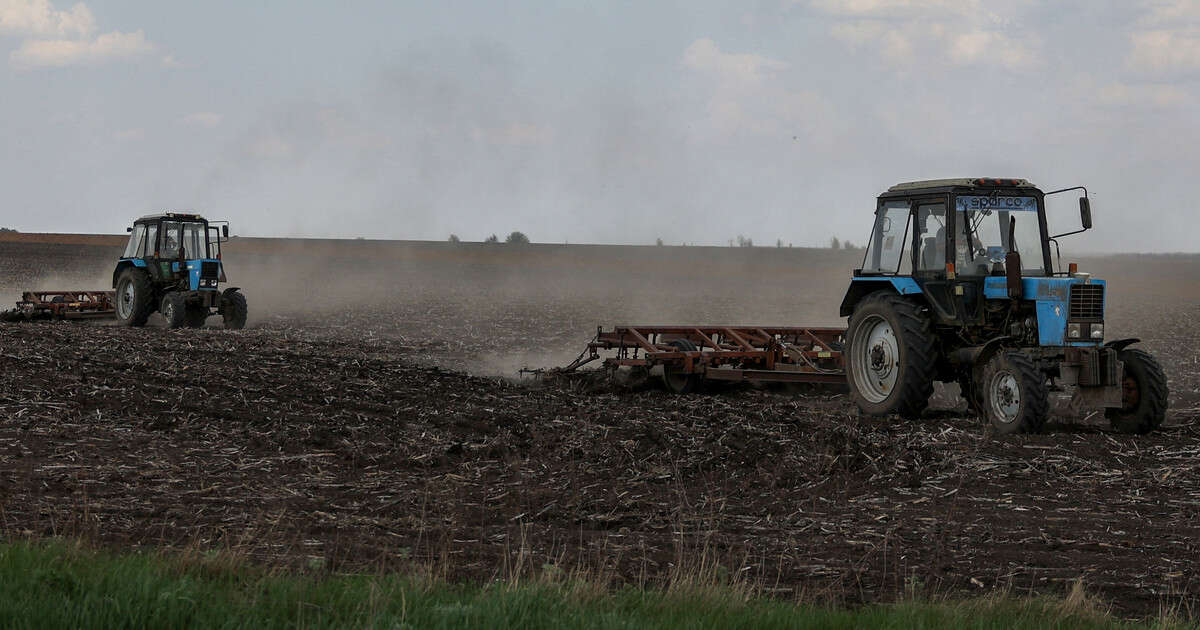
[(687, 355), (63, 305), (958, 285)]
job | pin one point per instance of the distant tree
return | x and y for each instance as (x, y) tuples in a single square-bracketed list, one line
[(454, 239), (516, 238), (834, 243), (658, 241), (742, 241), (492, 239), (778, 242), (4, 229), (848, 245)]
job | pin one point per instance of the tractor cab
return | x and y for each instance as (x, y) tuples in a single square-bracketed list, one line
[(958, 284), (172, 264)]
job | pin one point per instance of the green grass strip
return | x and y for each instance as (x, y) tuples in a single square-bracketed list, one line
[(59, 585)]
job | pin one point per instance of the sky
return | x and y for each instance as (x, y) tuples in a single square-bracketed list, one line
[(593, 122)]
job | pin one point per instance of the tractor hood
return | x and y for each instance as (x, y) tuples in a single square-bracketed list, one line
[(1069, 310)]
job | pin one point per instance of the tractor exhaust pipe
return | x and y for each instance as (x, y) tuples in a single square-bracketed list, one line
[(1012, 264)]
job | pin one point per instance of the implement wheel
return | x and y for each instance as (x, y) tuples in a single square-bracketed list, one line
[(677, 381), (135, 298), (890, 356), (234, 309), (1143, 394), (1013, 395)]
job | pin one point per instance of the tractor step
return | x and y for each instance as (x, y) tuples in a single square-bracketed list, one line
[(726, 353), (63, 305)]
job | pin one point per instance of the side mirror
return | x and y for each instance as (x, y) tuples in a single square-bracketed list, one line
[(128, 229), (1085, 212), (225, 230)]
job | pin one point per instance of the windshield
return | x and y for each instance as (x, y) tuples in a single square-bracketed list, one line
[(982, 238), (189, 236)]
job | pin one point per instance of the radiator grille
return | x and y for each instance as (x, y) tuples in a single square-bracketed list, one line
[(210, 270), (1087, 301)]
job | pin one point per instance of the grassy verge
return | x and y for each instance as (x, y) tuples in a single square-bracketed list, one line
[(57, 585)]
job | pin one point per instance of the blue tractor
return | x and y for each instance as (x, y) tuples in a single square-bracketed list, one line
[(958, 286), (172, 264)]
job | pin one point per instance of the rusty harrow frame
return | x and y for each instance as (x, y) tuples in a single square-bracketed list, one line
[(63, 305), (726, 353)]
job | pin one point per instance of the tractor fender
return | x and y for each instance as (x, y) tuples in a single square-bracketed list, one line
[(1121, 344), (861, 287), (122, 265)]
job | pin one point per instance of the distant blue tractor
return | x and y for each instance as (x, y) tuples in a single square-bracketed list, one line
[(172, 264), (958, 286)]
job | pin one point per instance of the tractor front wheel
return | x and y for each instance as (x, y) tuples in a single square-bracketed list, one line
[(173, 309), (234, 309), (135, 298), (1013, 395), (890, 356), (1143, 394)]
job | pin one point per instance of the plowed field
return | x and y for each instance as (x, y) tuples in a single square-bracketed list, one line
[(370, 416)]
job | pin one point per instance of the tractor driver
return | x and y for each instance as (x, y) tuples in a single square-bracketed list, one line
[(170, 244), (933, 238)]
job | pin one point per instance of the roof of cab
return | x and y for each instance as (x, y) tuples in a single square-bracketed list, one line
[(182, 216), (967, 182)]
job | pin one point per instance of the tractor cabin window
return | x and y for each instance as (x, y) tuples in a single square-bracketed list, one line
[(135, 242), (889, 239), (150, 243), (931, 237)]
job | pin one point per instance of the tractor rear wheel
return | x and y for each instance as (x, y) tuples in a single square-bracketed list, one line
[(890, 356), (135, 298), (677, 381), (195, 315), (173, 309), (1013, 395), (1143, 394), (234, 309)]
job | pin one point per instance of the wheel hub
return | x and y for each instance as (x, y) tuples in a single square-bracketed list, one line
[(875, 359), (1006, 396)]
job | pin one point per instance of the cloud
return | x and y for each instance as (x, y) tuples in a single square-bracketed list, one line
[(1157, 95), (747, 95), (38, 18), (704, 55), (55, 38), (72, 52), (1164, 51), (203, 119), (891, 7), (904, 32)]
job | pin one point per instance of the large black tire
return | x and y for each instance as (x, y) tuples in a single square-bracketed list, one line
[(1013, 395), (890, 356), (679, 382), (173, 309), (1143, 396), (195, 315), (135, 297), (234, 309)]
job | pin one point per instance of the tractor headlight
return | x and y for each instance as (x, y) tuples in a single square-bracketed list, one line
[(1073, 331), (1097, 331)]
